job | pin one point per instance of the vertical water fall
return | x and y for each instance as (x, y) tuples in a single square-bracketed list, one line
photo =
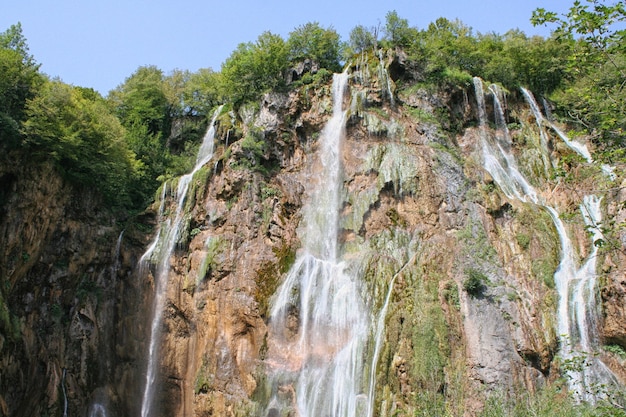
[(319, 324), (575, 286), (159, 253)]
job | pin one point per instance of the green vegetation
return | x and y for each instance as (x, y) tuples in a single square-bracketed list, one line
[(311, 41), (268, 276), (547, 402), (72, 127), (19, 82), (594, 96), (120, 144), (475, 282)]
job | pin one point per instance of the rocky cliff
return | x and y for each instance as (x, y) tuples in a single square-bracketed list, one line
[(472, 313)]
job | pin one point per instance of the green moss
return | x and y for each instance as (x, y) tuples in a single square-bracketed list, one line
[(617, 350), (88, 288), (421, 116), (451, 294), (214, 248), (395, 165), (523, 240), (476, 243), (268, 276), (204, 378)]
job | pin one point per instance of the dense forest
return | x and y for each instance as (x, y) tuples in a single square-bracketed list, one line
[(122, 143)]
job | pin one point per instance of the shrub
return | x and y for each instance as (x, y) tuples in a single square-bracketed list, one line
[(475, 283)]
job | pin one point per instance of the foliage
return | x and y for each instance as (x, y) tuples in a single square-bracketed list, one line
[(253, 147), (616, 350), (146, 104), (141, 100), (311, 41), (362, 39), (19, 81), (397, 30), (547, 402), (475, 282), (595, 97), (201, 92), (74, 128), (254, 68)]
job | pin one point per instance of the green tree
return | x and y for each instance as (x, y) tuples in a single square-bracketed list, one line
[(142, 99), (362, 39), (397, 30), (141, 104), (19, 81), (516, 60), (595, 97), (202, 91), (74, 127), (316, 43), (254, 68)]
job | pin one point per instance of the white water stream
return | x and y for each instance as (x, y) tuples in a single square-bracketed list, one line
[(97, 410), (576, 310), (159, 253), (319, 323)]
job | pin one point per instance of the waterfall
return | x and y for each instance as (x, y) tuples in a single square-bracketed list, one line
[(577, 147), (319, 324), (117, 263), (64, 393), (576, 310), (159, 253), (97, 410), (384, 77)]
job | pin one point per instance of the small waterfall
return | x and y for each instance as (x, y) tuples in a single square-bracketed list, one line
[(159, 253), (575, 286), (577, 147), (530, 99), (117, 263), (64, 393), (384, 78), (97, 410), (319, 324)]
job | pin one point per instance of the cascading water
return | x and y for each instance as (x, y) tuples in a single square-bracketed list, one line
[(159, 253), (97, 410), (319, 324), (577, 147), (384, 77), (575, 287)]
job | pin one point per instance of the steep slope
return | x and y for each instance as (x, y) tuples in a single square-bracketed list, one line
[(473, 304), (458, 277), (69, 303)]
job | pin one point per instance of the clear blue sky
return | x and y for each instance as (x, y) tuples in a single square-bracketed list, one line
[(98, 44)]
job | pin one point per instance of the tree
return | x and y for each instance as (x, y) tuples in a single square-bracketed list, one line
[(362, 39), (311, 41), (19, 81), (202, 91), (397, 30), (141, 104), (595, 98), (254, 68), (74, 128), (141, 99)]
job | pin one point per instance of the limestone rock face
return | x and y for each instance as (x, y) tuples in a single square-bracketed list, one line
[(473, 302), (70, 305), (614, 292)]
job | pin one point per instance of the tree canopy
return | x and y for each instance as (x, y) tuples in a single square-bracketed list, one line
[(595, 95), (19, 82), (121, 146)]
